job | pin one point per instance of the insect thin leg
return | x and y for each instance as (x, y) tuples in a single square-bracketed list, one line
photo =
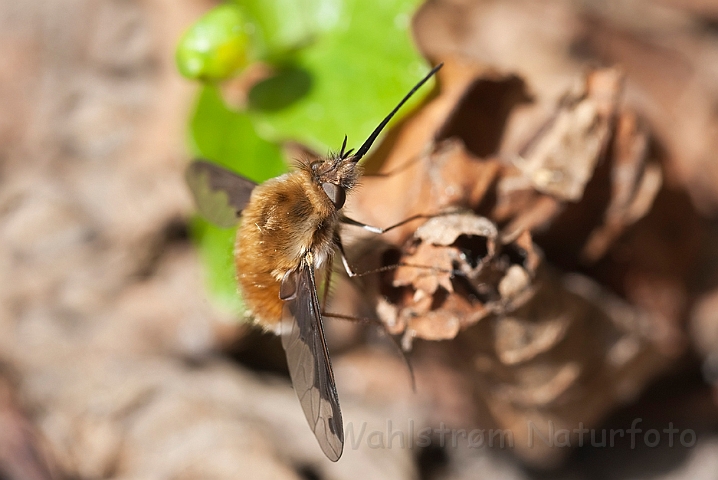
[(352, 273), (327, 281), (379, 230), (404, 356)]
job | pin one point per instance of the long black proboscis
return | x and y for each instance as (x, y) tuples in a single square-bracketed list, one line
[(369, 141)]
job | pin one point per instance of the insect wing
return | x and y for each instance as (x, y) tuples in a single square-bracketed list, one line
[(309, 364), (220, 195)]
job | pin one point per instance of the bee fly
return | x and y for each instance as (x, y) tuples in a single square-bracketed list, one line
[(290, 228)]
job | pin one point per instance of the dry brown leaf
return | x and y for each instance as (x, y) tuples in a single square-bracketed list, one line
[(478, 276), (562, 158), (435, 169), (635, 184), (587, 176)]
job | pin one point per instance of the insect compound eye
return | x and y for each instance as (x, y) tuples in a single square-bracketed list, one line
[(335, 193)]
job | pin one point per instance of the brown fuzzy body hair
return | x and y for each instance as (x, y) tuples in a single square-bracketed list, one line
[(287, 218)]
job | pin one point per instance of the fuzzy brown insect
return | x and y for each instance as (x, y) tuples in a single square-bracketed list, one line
[(290, 228)]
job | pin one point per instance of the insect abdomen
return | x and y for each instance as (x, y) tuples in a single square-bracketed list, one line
[(279, 226)]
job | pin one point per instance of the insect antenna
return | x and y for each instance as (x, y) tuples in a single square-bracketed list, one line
[(344, 145), (369, 141), (345, 154)]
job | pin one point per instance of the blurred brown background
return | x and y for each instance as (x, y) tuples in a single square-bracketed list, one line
[(114, 364)]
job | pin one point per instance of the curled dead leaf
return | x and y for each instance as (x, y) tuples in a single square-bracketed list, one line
[(472, 275)]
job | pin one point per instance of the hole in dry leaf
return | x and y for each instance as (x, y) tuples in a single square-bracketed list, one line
[(395, 295), (473, 247), (390, 256), (482, 113), (514, 254)]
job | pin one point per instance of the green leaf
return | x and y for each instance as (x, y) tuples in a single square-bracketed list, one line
[(361, 63), (283, 26), (216, 46), (229, 139), (216, 251)]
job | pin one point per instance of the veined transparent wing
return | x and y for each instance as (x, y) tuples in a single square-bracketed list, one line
[(220, 194), (309, 364)]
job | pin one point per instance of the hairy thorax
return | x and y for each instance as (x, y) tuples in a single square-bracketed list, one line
[(286, 218)]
